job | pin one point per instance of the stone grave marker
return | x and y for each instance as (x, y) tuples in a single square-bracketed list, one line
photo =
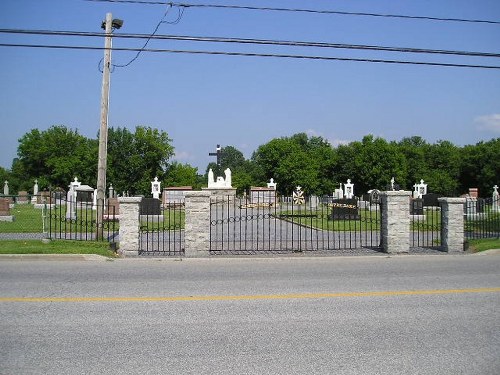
[(22, 197), (430, 200), (345, 209), (150, 206), (416, 206), (5, 210), (495, 199)]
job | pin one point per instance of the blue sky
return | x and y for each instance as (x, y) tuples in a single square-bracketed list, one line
[(201, 100)]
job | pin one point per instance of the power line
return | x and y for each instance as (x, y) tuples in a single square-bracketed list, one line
[(301, 10), (305, 57), (253, 41)]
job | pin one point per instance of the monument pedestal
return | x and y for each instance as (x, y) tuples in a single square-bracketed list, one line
[(221, 192)]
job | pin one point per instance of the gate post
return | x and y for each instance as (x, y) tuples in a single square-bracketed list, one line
[(395, 221), (129, 226), (197, 227), (452, 224)]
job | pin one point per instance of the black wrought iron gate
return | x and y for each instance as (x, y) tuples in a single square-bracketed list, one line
[(240, 226)]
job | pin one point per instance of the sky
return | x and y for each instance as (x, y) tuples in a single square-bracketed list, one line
[(205, 100)]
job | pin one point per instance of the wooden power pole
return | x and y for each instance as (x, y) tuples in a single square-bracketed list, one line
[(103, 130)]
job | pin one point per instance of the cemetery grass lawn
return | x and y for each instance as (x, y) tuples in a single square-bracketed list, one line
[(484, 244), (27, 219), (55, 247)]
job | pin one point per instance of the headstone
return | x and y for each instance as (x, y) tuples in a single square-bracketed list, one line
[(71, 204), (473, 192), (338, 193), (262, 195), (22, 197), (150, 206), (495, 199), (420, 189), (44, 198), (4, 207), (5, 210), (6, 188), (175, 195), (430, 200), (155, 188), (112, 210), (313, 202), (35, 193), (271, 184), (111, 191), (345, 209), (416, 206), (348, 190)]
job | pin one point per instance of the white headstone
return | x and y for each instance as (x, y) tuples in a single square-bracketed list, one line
[(111, 191), (155, 188), (35, 193), (420, 189), (71, 203), (6, 188), (496, 199), (349, 190), (271, 184), (211, 179), (392, 184)]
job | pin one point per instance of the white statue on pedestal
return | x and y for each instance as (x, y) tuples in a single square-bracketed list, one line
[(220, 183)]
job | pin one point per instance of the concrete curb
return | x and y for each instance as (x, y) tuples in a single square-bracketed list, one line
[(54, 257), (489, 252)]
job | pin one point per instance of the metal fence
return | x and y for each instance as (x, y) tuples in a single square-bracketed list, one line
[(79, 220), (162, 232), (482, 219), (245, 226), (425, 229)]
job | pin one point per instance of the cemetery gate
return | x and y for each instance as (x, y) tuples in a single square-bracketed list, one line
[(292, 224), (161, 228)]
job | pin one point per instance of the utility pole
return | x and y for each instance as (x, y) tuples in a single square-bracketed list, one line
[(103, 130)]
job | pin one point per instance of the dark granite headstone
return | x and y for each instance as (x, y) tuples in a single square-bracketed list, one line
[(417, 206), (430, 200), (150, 206), (345, 209)]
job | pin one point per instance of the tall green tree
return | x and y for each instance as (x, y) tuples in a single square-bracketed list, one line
[(370, 164), (178, 174), (293, 161), (54, 157), (480, 167), (134, 159)]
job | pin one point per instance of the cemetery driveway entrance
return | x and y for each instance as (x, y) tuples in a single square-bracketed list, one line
[(240, 227)]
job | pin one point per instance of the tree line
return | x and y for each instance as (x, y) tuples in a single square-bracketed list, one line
[(56, 155)]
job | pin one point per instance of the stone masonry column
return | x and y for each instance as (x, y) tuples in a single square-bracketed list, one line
[(452, 224), (197, 227), (395, 221), (129, 226)]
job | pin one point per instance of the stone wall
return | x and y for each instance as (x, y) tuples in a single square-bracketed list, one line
[(197, 226)]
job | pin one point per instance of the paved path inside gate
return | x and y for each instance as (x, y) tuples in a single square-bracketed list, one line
[(254, 230)]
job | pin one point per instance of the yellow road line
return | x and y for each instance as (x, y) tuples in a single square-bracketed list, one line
[(252, 297)]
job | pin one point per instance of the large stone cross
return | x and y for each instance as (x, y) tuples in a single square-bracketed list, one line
[(218, 153)]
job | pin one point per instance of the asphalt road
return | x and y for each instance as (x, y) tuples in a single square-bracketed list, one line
[(357, 315)]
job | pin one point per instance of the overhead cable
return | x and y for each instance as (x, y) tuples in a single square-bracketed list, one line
[(253, 41), (302, 10), (308, 57)]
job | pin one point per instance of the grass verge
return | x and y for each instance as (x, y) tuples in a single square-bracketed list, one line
[(55, 247), (484, 244)]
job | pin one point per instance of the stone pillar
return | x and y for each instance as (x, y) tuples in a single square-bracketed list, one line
[(395, 221), (129, 226), (197, 227), (452, 224)]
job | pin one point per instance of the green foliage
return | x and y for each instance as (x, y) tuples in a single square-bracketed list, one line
[(370, 164), (134, 159), (293, 161), (480, 166), (181, 175), (54, 156)]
